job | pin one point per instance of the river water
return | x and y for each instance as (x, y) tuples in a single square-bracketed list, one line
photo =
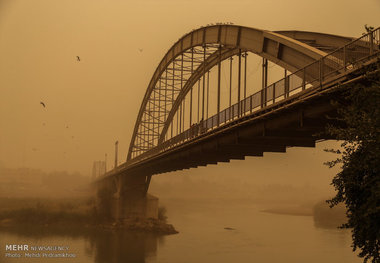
[(254, 236)]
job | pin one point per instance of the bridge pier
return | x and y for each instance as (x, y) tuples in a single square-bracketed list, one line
[(124, 198)]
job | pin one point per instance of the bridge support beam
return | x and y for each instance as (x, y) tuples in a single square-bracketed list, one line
[(124, 198), (132, 199)]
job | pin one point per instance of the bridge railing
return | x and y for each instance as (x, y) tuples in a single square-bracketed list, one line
[(346, 58)]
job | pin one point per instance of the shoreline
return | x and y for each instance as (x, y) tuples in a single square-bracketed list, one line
[(149, 225), (289, 212)]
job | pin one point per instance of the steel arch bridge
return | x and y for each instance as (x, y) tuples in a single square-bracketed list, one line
[(183, 124), (191, 58), (189, 117)]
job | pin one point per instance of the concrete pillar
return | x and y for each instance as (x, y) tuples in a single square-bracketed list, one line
[(132, 201), (124, 198)]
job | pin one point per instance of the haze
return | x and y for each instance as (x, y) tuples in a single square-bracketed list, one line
[(93, 102)]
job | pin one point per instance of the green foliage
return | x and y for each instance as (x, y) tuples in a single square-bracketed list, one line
[(358, 182)]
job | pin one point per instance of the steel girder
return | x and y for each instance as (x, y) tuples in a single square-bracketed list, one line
[(174, 76)]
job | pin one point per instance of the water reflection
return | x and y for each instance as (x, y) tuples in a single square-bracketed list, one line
[(258, 237), (122, 246), (329, 218), (98, 245), (326, 224)]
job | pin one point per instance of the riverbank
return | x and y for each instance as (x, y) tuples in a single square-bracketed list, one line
[(71, 214), (323, 215), (290, 210), (150, 225)]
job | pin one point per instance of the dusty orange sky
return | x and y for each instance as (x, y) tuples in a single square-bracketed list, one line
[(92, 103)]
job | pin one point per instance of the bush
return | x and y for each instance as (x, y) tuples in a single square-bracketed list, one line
[(162, 213)]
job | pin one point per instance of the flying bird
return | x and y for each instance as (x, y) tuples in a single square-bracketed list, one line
[(78, 58), (43, 104)]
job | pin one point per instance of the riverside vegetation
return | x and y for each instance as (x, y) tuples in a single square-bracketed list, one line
[(32, 198), (71, 213)]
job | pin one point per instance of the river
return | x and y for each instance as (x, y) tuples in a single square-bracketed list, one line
[(251, 236)]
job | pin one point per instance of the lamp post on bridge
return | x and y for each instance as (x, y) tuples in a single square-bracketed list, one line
[(105, 163), (116, 148)]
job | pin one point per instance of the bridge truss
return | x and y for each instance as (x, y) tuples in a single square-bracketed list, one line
[(179, 104)]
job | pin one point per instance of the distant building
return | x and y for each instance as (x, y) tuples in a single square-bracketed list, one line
[(98, 169)]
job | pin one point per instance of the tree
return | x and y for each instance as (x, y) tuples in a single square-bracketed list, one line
[(357, 185)]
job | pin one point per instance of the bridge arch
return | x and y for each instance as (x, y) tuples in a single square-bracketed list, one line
[(172, 79)]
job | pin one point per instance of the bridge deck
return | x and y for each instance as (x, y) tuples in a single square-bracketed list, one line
[(284, 114)]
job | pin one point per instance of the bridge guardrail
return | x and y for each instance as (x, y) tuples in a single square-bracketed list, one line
[(348, 57)]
